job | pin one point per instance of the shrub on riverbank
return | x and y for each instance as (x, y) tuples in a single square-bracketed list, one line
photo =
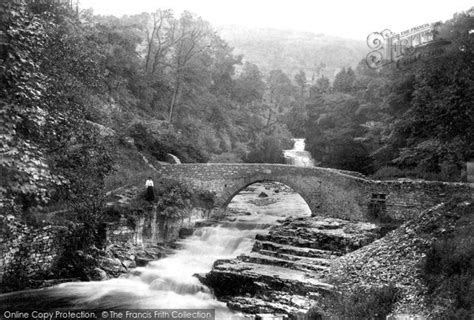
[(360, 303), (448, 272), (448, 172), (161, 145), (172, 198)]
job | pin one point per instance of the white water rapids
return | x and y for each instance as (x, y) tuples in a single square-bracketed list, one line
[(298, 156), (169, 283)]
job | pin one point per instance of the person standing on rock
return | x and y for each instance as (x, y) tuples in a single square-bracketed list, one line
[(150, 192)]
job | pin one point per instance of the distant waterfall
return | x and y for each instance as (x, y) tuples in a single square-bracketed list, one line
[(298, 156)]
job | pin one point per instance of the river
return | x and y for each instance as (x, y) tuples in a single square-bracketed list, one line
[(169, 283)]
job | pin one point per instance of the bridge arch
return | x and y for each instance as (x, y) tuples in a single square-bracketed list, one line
[(322, 196), (233, 190)]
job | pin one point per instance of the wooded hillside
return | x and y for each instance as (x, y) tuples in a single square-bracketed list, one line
[(170, 83), (291, 51)]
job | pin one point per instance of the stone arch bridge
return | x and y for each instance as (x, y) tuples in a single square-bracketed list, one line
[(328, 192)]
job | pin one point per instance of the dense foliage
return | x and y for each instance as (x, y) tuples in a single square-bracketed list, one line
[(159, 146), (374, 303), (174, 199), (448, 270), (410, 118), (174, 86), (50, 75), (177, 72)]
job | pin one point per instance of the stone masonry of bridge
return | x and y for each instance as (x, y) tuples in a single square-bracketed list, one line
[(329, 192)]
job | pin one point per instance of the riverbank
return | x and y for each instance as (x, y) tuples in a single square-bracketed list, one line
[(57, 246), (267, 257), (44, 255), (168, 282)]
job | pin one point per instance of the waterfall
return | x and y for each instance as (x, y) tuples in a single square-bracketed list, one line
[(298, 156)]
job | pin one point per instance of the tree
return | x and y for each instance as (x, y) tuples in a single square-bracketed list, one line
[(161, 36), (249, 86), (321, 87), (119, 40), (296, 117), (331, 129), (279, 97), (268, 148), (189, 52), (300, 79), (223, 67), (344, 80)]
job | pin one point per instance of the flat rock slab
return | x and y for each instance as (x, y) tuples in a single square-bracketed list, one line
[(302, 264), (269, 246)]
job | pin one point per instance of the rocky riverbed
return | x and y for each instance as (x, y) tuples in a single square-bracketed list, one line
[(266, 259), (287, 268)]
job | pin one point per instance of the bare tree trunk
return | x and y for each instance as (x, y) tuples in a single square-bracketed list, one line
[(174, 99), (188, 45), (150, 44), (270, 111), (155, 62), (151, 38)]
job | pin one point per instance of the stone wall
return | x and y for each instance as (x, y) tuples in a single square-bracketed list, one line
[(26, 251), (406, 198)]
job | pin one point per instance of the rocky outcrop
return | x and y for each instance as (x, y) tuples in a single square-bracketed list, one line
[(121, 258), (398, 257), (288, 266)]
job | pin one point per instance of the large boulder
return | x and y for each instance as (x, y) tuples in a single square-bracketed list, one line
[(97, 274), (112, 266)]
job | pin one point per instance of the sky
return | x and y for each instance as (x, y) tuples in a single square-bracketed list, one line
[(344, 18)]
